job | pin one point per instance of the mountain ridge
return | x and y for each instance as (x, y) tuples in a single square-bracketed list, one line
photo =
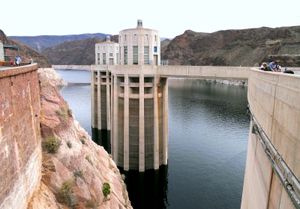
[(236, 47), (246, 47), (42, 42), (25, 52)]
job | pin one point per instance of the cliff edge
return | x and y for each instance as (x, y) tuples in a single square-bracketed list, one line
[(76, 172)]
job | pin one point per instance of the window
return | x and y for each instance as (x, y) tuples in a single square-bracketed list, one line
[(111, 60), (146, 55), (110, 54), (98, 58), (146, 41), (135, 55), (155, 49), (104, 58), (135, 39), (125, 55)]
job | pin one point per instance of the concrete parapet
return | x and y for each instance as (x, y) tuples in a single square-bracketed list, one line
[(72, 67), (274, 100), (20, 141)]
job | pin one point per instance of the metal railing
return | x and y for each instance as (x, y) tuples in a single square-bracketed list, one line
[(288, 179)]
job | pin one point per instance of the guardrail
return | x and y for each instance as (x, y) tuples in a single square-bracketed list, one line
[(288, 179)]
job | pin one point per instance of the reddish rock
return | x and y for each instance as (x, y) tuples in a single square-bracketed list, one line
[(79, 163)]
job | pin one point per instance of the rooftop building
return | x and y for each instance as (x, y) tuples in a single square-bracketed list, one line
[(139, 46), (107, 53)]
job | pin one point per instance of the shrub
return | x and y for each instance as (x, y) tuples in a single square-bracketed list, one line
[(78, 173), (64, 113), (65, 194), (69, 112), (69, 144), (51, 144), (88, 158), (92, 204), (82, 140), (106, 189)]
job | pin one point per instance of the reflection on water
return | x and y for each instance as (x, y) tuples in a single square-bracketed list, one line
[(208, 131), (148, 190)]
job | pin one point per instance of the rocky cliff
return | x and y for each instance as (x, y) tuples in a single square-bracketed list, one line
[(74, 52), (246, 47), (78, 52), (24, 51), (77, 173), (39, 43)]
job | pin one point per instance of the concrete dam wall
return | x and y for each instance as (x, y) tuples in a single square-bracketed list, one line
[(20, 145), (274, 101)]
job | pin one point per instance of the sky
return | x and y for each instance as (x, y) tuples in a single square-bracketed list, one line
[(170, 17)]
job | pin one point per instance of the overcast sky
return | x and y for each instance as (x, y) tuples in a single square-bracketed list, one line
[(170, 17)]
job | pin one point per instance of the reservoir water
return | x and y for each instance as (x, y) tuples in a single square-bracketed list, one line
[(208, 132)]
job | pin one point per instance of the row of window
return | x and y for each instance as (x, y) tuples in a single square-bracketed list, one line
[(146, 38), (135, 55), (104, 58), (135, 58), (108, 47)]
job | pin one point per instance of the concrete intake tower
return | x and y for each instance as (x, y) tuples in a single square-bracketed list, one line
[(130, 102)]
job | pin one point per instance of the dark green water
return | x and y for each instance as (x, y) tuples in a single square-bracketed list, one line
[(208, 130)]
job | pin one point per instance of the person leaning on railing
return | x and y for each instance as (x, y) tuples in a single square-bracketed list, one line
[(264, 66)]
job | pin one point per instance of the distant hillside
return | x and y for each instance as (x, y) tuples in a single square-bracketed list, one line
[(246, 47), (41, 42), (24, 51), (74, 52), (235, 47)]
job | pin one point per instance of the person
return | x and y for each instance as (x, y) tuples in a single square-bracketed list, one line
[(19, 60), (16, 60), (264, 66), (274, 66)]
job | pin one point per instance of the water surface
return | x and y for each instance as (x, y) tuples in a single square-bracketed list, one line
[(208, 130)]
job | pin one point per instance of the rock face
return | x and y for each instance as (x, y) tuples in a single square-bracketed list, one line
[(39, 43), (247, 47), (77, 52), (74, 167), (80, 52)]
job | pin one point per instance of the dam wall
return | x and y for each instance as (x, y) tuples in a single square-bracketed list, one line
[(272, 180), (20, 141), (72, 67)]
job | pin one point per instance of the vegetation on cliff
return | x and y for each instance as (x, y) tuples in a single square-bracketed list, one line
[(75, 171)]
